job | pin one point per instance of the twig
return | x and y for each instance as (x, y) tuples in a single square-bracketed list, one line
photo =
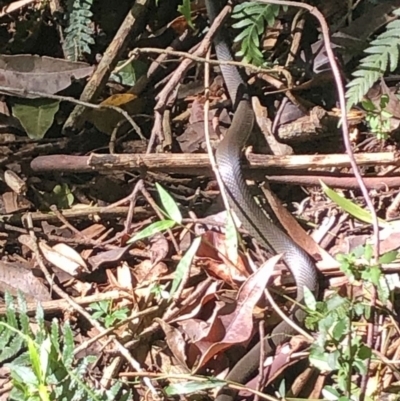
[(136, 52)]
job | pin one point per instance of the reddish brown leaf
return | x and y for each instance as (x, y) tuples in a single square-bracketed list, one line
[(239, 325)]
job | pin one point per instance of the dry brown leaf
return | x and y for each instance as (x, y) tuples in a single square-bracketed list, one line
[(194, 310), (16, 277), (39, 73), (175, 341), (238, 326)]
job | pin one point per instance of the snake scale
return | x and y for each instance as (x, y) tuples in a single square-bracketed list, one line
[(268, 235)]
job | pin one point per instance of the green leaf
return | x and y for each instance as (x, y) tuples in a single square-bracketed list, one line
[(184, 265), (62, 196), (383, 290), (154, 228), (350, 207), (360, 366), (364, 352), (372, 67), (129, 73), (121, 313), (44, 353), (231, 238), (35, 115), (185, 10), (368, 252), (69, 346), (169, 204), (282, 389), (24, 374), (335, 302), (242, 24), (309, 299), (372, 274), (80, 30), (326, 362), (101, 306), (388, 257), (191, 387), (340, 329), (34, 357), (330, 393), (253, 18), (109, 321)]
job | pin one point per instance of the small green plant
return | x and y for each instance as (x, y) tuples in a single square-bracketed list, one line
[(159, 291), (173, 218), (171, 211), (339, 348), (42, 363), (104, 312), (252, 19), (378, 118)]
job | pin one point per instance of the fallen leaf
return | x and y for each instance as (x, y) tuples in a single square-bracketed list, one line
[(15, 277), (105, 119), (35, 115), (238, 326), (39, 74), (64, 257)]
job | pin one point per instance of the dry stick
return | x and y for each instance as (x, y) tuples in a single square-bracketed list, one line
[(342, 101), (66, 223), (76, 306), (154, 67), (287, 319), (56, 306), (132, 203), (184, 162)]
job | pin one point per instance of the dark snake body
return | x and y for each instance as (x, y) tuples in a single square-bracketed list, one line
[(228, 157)]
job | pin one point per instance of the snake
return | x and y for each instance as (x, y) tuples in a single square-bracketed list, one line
[(252, 217)]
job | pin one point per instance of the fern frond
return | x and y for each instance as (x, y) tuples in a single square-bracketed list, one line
[(383, 55), (79, 33), (253, 18)]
